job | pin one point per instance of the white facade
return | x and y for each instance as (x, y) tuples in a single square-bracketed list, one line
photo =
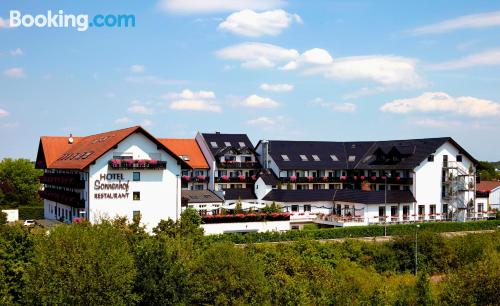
[(12, 214), (246, 227)]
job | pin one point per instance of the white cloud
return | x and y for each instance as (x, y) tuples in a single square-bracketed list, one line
[(337, 107), (315, 56), (123, 120), (137, 107), (193, 100), (385, 70), (147, 123), (213, 6), (262, 121), (3, 113), (17, 51), (4, 23), (260, 102), (15, 73), (276, 87), (253, 24), (255, 55), (151, 79), (137, 68), (486, 58), (475, 21), (442, 102), (436, 123)]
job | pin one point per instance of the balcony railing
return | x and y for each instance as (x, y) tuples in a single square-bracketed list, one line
[(63, 179), (237, 179), (239, 165), (64, 197), (346, 179), (138, 164), (195, 179)]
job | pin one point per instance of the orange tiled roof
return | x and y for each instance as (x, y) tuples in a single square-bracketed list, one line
[(189, 148), (85, 150), (487, 186)]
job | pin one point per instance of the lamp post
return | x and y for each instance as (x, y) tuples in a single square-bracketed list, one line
[(416, 249)]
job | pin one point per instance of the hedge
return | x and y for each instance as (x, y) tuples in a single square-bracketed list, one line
[(355, 231), (31, 212)]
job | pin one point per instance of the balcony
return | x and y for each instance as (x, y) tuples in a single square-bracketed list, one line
[(236, 179), (239, 165), (63, 179), (346, 179), (137, 164), (64, 197), (195, 179)]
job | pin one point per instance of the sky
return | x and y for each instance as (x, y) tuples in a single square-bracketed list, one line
[(276, 69)]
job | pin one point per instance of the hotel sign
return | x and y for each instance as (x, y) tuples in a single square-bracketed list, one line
[(111, 186)]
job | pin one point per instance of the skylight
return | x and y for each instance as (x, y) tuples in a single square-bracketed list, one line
[(285, 157), (303, 157), (242, 144), (352, 158), (213, 144), (316, 158), (227, 143), (334, 157)]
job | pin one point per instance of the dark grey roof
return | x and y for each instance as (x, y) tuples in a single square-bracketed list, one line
[(220, 139), (239, 194), (391, 154), (268, 177), (200, 196), (353, 196)]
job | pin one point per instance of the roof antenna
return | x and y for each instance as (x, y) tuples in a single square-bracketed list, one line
[(70, 139)]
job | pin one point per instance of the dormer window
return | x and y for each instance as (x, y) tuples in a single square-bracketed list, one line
[(352, 158), (227, 143), (316, 158), (242, 144), (214, 144), (285, 157), (334, 157), (303, 157), (459, 158)]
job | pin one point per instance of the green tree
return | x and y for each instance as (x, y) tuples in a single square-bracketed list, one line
[(82, 264), (238, 208), (187, 226), (20, 181), (3, 218), (225, 275), (271, 208)]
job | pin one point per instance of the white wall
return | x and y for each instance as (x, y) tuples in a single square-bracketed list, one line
[(494, 199), (428, 175), (220, 228), (209, 157), (160, 190), (261, 189), (12, 214)]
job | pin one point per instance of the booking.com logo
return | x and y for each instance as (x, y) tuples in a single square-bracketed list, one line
[(81, 22)]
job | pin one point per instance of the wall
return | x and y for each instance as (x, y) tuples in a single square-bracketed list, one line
[(261, 189), (160, 190), (210, 159), (12, 214), (221, 228), (494, 199)]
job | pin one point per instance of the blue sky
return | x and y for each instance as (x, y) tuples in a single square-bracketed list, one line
[(322, 70)]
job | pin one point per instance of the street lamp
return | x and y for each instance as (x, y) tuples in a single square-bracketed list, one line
[(416, 248)]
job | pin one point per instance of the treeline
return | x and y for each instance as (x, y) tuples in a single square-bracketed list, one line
[(117, 263)]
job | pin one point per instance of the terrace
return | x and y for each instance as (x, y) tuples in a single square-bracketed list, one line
[(63, 179), (70, 198)]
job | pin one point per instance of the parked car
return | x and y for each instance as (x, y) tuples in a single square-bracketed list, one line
[(29, 222)]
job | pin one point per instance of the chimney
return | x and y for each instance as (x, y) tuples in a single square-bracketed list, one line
[(70, 139)]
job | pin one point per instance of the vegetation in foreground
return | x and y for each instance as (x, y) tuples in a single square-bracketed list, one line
[(116, 263)]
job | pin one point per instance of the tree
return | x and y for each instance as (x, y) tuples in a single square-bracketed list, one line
[(20, 182), (271, 208), (3, 218), (238, 208), (82, 264), (187, 226)]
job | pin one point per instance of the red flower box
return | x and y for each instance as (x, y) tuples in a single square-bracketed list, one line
[(383, 177), (185, 178), (325, 178), (355, 178), (293, 178), (225, 178), (373, 177), (242, 178), (362, 177), (254, 177), (310, 178), (343, 178)]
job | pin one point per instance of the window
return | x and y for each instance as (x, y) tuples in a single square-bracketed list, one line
[(307, 207), (334, 157), (352, 158), (459, 158), (136, 195), (214, 144), (227, 143), (285, 157), (316, 158), (242, 144), (295, 208), (430, 158), (136, 176), (303, 157), (136, 215)]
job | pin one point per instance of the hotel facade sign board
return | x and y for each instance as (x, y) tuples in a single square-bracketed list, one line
[(112, 186)]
